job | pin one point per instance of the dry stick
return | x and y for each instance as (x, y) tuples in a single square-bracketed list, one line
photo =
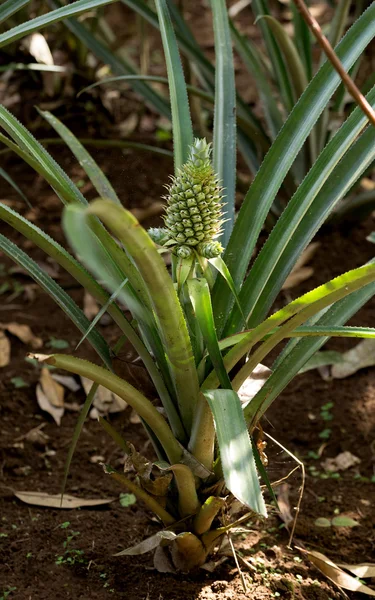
[(243, 580), (297, 508), (335, 61)]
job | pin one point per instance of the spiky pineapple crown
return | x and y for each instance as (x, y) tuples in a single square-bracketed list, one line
[(194, 211)]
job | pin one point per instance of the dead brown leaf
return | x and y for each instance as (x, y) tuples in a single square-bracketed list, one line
[(362, 570), (23, 333), (162, 563), (4, 350), (67, 381), (50, 396), (254, 383), (343, 461), (105, 401), (90, 306), (335, 574), (284, 504), (54, 500), (359, 357)]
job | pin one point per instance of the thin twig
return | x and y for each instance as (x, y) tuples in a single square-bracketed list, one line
[(335, 61), (302, 485), (243, 580)]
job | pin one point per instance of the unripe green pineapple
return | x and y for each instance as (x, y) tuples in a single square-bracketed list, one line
[(194, 216)]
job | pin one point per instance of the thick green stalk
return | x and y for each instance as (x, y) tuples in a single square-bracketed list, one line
[(207, 514), (188, 503), (202, 440), (164, 300), (64, 259), (127, 392)]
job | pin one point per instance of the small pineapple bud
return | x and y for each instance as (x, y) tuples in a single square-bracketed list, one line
[(193, 215), (183, 251), (159, 235), (210, 249)]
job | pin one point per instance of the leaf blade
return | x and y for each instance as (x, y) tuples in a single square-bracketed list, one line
[(236, 451)]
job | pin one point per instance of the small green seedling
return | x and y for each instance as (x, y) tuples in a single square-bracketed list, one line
[(339, 521)]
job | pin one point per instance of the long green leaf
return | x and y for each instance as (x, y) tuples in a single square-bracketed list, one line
[(280, 158), (165, 303), (162, 294), (236, 451), (181, 121), (321, 297), (302, 38), (154, 78), (77, 433), (261, 9), (127, 392), (201, 300), (93, 171), (297, 354), (54, 174), (122, 144), (325, 184), (295, 66), (252, 61), (59, 296), (302, 308), (9, 7), (71, 10), (307, 331), (68, 262), (93, 255), (224, 142)]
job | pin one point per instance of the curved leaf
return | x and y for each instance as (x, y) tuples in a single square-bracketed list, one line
[(59, 296), (71, 10), (280, 158), (9, 7), (236, 450), (181, 121), (95, 174), (224, 140), (305, 213)]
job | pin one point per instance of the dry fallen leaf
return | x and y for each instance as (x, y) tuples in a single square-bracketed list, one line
[(23, 333), (148, 544), (254, 383), (284, 504), (362, 570), (90, 306), (343, 461), (50, 396), (4, 350), (335, 574), (67, 381), (299, 272), (54, 500), (39, 49), (105, 401), (162, 562), (359, 357)]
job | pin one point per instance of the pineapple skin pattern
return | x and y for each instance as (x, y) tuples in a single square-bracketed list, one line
[(194, 207)]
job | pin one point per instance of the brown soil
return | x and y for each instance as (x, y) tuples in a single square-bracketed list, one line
[(32, 538)]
